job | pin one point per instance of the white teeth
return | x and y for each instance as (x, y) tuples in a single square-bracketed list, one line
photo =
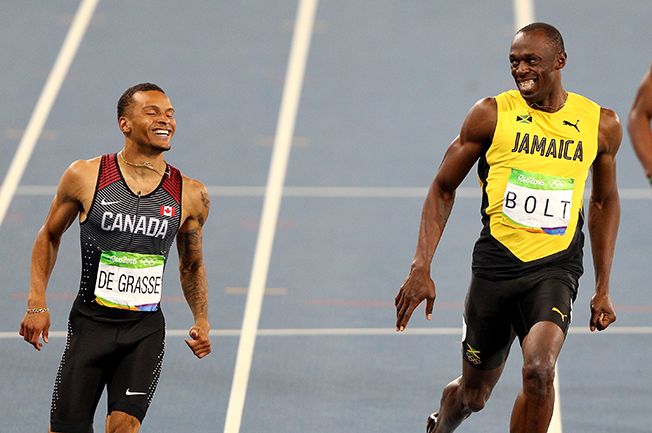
[(527, 84), (162, 132)]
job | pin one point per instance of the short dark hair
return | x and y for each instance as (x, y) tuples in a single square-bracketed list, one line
[(551, 33), (127, 97)]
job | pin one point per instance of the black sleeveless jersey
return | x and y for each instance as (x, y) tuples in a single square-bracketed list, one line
[(122, 225)]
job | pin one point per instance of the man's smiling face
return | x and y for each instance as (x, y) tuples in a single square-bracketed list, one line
[(535, 66), (150, 120)]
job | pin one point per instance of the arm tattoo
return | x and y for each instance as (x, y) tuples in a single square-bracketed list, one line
[(205, 200), (207, 205), (192, 272)]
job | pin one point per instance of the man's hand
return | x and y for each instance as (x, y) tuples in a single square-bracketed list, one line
[(417, 287), (33, 325), (602, 312), (200, 343)]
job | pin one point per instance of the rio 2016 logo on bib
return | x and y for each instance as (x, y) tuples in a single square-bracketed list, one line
[(538, 203), (129, 281)]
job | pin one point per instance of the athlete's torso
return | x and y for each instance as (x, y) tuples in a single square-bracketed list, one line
[(533, 177), (125, 241)]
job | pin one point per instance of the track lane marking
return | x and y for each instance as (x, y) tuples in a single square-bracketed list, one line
[(337, 192), (358, 332), (299, 49), (45, 102)]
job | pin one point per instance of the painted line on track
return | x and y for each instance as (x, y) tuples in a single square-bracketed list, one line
[(45, 102), (334, 192), (523, 13), (361, 332), (299, 49)]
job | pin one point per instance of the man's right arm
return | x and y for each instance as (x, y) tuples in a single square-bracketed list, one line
[(67, 204), (639, 124), (474, 139)]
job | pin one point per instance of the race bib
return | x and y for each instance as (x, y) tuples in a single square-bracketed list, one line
[(129, 281), (537, 202)]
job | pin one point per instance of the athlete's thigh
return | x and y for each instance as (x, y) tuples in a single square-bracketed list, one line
[(488, 332), (549, 299), (138, 368), (82, 373)]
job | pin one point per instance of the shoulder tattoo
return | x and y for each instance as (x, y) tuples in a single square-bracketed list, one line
[(205, 200)]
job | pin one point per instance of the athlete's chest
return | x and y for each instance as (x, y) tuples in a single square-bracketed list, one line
[(533, 139), (126, 217), (117, 210)]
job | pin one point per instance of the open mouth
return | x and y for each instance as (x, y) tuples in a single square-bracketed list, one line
[(526, 84), (162, 132)]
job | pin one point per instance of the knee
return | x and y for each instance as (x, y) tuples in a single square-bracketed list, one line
[(475, 398), (538, 378), (121, 422)]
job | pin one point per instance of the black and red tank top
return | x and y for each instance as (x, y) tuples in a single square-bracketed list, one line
[(125, 241)]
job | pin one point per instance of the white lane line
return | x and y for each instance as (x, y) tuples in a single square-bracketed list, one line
[(335, 192), (523, 13), (282, 143), (45, 102), (357, 332), (555, 422)]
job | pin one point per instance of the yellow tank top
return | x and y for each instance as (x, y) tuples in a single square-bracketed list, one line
[(538, 164)]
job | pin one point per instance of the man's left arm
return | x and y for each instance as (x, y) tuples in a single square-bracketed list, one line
[(604, 217), (192, 270)]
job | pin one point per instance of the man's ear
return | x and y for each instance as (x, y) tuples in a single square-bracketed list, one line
[(125, 127), (561, 60)]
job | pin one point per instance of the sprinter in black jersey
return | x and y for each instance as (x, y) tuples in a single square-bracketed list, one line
[(131, 206)]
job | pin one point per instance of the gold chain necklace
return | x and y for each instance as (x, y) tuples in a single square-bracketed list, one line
[(549, 107), (145, 164)]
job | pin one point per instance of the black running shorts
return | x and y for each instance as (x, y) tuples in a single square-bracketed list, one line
[(125, 358), (495, 312)]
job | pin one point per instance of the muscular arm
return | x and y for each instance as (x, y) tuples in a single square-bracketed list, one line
[(475, 137), (604, 217), (639, 123), (192, 270), (67, 204)]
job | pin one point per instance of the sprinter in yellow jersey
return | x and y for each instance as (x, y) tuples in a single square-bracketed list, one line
[(534, 148)]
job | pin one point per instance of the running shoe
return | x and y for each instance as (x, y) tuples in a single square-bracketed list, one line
[(432, 422)]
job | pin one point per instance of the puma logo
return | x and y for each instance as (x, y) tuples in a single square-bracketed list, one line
[(563, 316), (574, 125)]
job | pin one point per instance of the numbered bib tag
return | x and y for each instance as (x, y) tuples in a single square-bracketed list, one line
[(129, 281), (537, 202)]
